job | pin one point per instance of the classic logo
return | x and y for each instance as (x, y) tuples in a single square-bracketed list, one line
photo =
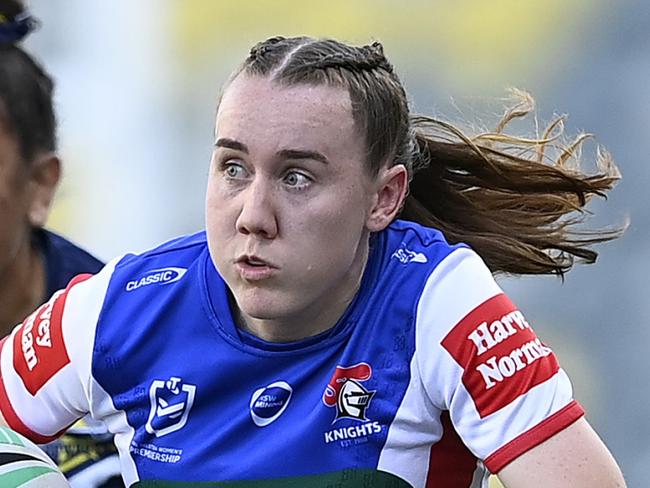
[(501, 356), (405, 256), (346, 392), (171, 402), (268, 403), (162, 276)]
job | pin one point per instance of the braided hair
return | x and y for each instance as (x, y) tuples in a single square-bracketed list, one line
[(514, 200)]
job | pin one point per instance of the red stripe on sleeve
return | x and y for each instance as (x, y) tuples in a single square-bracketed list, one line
[(12, 419), (451, 464), (546, 429)]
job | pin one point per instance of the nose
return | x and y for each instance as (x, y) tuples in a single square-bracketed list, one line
[(257, 215)]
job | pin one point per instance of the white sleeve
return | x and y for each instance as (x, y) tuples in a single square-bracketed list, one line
[(481, 361), (45, 363)]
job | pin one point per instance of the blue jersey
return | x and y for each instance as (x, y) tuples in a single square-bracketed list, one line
[(431, 377)]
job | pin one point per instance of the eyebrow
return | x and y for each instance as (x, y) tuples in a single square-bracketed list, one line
[(303, 154), (231, 144), (284, 153)]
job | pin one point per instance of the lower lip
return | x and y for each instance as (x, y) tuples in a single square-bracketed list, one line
[(254, 273)]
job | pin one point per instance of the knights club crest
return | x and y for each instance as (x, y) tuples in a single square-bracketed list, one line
[(346, 392)]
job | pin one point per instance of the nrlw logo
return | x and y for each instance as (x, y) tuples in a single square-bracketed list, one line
[(162, 276), (171, 402)]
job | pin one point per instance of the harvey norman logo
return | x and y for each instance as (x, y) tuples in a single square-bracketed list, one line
[(36, 332), (501, 356), (162, 276), (495, 369)]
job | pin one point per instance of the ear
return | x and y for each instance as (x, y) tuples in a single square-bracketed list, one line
[(392, 186), (44, 177)]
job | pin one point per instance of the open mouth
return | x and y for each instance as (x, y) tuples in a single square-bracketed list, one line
[(252, 268), (255, 267)]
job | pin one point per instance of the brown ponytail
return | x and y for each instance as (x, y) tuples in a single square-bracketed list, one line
[(505, 196)]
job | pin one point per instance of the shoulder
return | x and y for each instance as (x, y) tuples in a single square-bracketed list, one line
[(450, 284), (185, 248), (412, 253), (409, 261), (408, 242), (459, 288), (165, 264), (417, 233)]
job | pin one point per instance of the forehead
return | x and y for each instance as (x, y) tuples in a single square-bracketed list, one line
[(296, 115)]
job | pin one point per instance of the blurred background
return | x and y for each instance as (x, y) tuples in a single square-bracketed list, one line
[(138, 82)]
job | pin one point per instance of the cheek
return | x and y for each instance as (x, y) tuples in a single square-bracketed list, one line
[(346, 209), (217, 213), (216, 225), (326, 232)]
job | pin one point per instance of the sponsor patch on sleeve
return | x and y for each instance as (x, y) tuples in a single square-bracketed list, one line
[(500, 354), (39, 348)]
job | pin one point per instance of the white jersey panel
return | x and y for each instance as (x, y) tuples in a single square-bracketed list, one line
[(487, 435), (47, 386), (80, 318), (480, 360), (458, 285), (417, 425), (117, 423), (415, 428)]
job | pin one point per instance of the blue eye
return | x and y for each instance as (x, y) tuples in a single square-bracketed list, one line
[(296, 179), (234, 170)]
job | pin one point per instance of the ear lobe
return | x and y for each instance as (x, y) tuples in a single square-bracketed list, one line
[(391, 192), (43, 180)]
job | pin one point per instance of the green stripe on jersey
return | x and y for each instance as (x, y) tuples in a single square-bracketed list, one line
[(8, 436), (348, 478), (14, 479)]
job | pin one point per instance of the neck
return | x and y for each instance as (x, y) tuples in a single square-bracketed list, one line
[(22, 286), (294, 327)]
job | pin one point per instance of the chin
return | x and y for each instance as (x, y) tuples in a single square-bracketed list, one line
[(265, 313), (263, 306)]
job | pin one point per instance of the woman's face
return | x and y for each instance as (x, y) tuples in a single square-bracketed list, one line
[(288, 200), (14, 200)]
